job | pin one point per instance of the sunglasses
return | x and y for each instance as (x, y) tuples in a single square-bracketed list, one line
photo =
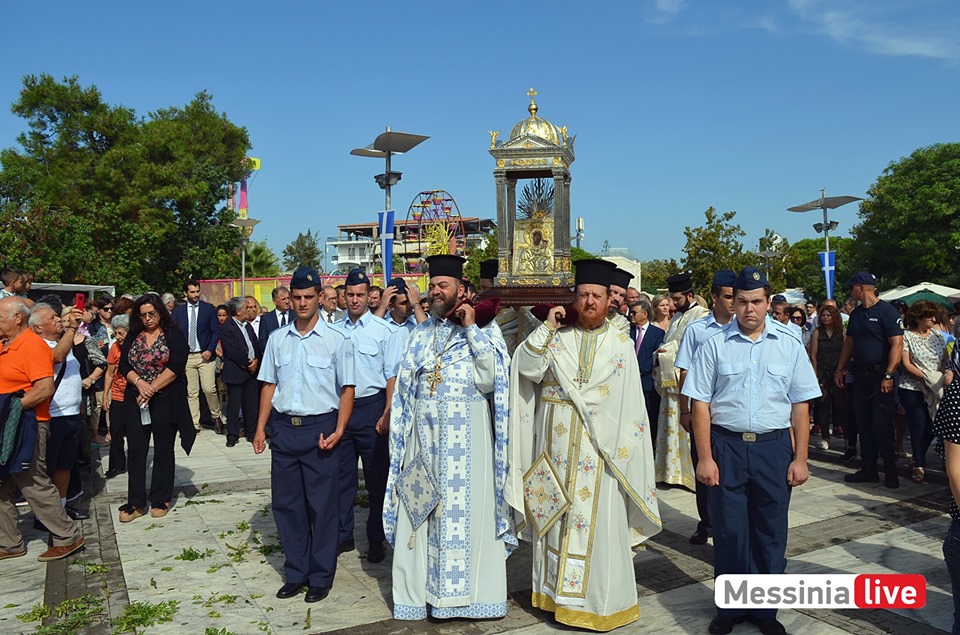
[(149, 315), (107, 308), (797, 318)]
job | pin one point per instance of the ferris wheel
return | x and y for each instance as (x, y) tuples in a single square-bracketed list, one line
[(434, 226)]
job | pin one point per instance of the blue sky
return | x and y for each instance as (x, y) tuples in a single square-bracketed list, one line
[(678, 105)]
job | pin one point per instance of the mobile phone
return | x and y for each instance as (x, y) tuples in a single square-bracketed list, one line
[(79, 303)]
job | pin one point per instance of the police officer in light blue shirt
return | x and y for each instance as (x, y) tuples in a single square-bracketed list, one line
[(721, 291), (376, 345), (752, 380), (307, 397)]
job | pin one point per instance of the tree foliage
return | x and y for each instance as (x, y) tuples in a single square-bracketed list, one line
[(95, 194), (712, 246), (303, 251), (656, 272), (803, 266), (910, 223), (475, 254), (262, 262)]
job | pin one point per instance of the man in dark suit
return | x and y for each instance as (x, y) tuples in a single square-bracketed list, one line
[(241, 361), (198, 321), (280, 316), (647, 338)]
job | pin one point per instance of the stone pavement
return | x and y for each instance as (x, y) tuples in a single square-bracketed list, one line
[(217, 555)]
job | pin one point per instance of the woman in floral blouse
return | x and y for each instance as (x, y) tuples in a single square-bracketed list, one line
[(153, 359)]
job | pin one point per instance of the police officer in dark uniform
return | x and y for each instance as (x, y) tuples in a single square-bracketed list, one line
[(752, 380), (307, 397), (377, 351), (873, 347)]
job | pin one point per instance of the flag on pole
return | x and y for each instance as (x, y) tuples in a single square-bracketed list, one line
[(386, 243), (828, 263)]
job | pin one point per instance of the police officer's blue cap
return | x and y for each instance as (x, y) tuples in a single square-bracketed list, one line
[(862, 277), (305, 278), (621, 278), (357, 276), (399, 283), (446, 265), (724, 278), (750, 278), (680, 282), (594, 271), (489, 269)]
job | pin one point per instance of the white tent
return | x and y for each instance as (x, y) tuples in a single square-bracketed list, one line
[(902, 291)]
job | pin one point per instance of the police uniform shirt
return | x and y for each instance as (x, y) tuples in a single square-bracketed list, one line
[(751, 385), (695, 335), (376, 352), (871, 329), (309, 370)]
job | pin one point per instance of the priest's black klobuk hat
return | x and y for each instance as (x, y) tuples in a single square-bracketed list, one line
[(594, 271), (446, 265)]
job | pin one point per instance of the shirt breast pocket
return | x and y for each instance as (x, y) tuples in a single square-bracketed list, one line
[(367, 354), (731, 375), (319, 368), (284, 367), (777, 378)]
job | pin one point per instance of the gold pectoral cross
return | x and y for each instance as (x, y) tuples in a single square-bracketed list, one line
[(434, 378)]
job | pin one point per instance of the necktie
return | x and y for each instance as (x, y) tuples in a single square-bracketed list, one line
[(330, 318), (283, 319), (193, 328), (640, 330), (251, 336)]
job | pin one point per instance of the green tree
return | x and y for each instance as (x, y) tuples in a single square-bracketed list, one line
[(262, 262), (475, 255), (712, 246), (910, 221), (99, 195), (656, 272), (303, 251)]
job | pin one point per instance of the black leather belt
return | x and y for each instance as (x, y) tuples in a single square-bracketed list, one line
[(306, 420), (750, 437)]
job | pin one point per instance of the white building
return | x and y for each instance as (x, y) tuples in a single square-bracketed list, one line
[(622, 257)]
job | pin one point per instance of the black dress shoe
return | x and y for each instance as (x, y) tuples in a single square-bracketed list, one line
[(75, 513), (769, 627), (218, 426), (699, 537), (721, 625), (317, 593), (112, 472), (231, 443), (290, 589), (377, 552), (346, 545)]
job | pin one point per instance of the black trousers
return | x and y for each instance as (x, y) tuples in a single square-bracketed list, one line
[(246, 394), (874, 412), (361, 440), (138, 436), (118, 457)]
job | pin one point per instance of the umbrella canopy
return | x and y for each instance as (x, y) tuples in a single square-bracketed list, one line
[(900, 293), (927, 295)]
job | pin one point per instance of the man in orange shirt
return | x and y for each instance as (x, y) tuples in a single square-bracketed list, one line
[(26, 363)]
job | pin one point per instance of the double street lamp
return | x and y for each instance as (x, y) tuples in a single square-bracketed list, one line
[(246, 226), (828, 261)]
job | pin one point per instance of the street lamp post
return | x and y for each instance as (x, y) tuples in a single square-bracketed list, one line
[(246, 225), (825, 203), (386, 145)]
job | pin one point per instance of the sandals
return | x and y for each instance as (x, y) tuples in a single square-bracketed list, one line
[(159, 512), (918, 475), (130, 513)]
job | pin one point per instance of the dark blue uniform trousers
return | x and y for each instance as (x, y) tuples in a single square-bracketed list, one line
[(748, 508), (361, 440), (305, 502), (702, 492)]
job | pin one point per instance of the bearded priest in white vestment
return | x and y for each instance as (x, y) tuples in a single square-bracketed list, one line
[(445, 513), (581, 460), (674, 463)]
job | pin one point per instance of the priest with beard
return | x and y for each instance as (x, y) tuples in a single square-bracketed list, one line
[(581, 459), (445, 512)]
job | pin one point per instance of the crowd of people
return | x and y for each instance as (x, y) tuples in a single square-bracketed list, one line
[(557, 434)]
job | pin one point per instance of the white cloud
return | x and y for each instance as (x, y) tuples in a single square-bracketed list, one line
[(883, 28), (666, 10)]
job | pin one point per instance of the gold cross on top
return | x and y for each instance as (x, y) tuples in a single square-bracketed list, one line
[(532, 93)]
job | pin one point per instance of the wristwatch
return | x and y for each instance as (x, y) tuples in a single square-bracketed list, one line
[(887, 376)]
